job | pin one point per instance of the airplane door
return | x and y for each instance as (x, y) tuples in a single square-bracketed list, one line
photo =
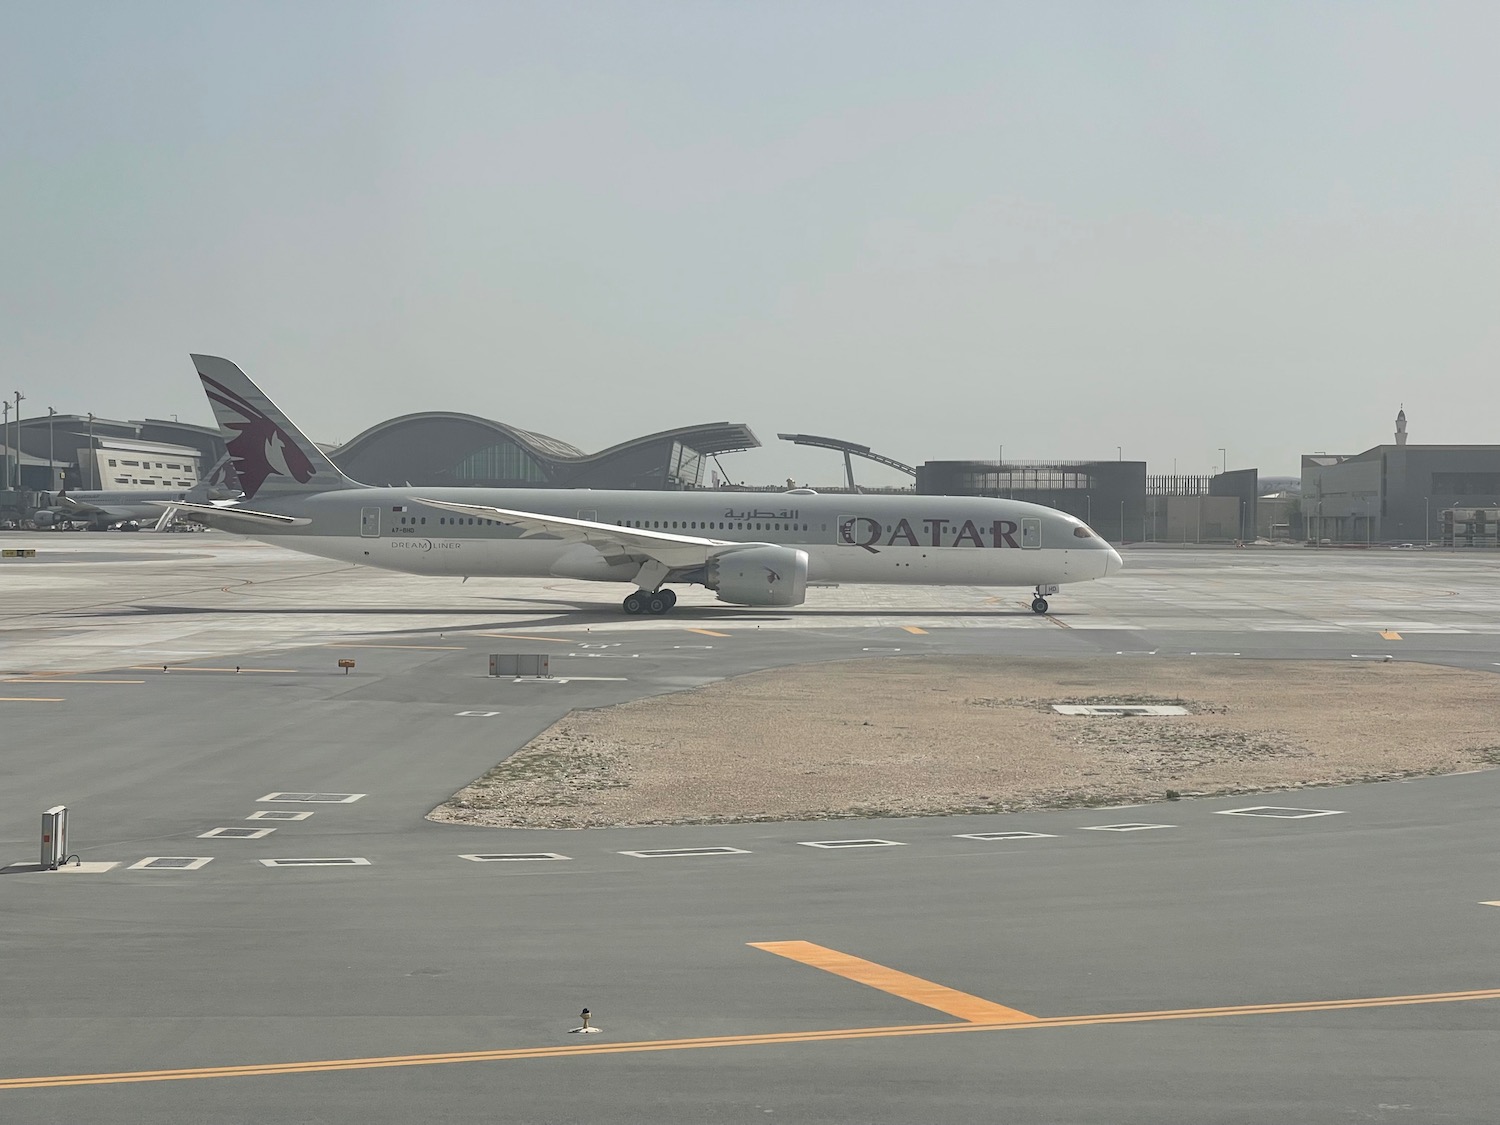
[(369, 522), (1031, 533)]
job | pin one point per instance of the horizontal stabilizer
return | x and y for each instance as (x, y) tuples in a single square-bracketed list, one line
[(213, 514)]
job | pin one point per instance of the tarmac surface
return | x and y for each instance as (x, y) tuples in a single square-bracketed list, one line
[(1320, 955)]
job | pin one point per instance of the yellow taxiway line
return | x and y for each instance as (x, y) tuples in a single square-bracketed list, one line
[(919, 991), (772, 1039), (914, 629), (31, 699), (707, 633), (1390, 635), (50, 680), (195, 668), (414, 648), (519, 637)]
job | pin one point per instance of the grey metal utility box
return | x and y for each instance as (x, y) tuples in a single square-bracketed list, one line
[(520, 664), (54, 837)]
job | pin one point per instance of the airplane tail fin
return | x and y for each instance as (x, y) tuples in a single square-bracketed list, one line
[(271, 456)]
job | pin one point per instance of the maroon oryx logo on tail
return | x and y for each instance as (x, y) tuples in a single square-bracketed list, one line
[(260, 447)]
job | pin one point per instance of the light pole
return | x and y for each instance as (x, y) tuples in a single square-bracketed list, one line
[(5, 441), (51, 466), (1223, 461), (1367, 521), (1088, 509), (1119, 453), (93, 461), (1122, 523), (19, 397)]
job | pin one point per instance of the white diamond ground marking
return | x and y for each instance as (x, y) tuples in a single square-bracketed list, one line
[(1277, 812), (667, 853), (1123, 827), (513, 857), (476, 714), (278, 814), (1005, 836), (301, 798), (338, 861), (851, 843), (236, 833), (171, 863)]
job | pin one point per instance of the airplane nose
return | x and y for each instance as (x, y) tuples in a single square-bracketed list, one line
[(1113, 562)]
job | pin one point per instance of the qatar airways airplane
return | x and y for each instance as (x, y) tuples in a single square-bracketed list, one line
[(750, 548)]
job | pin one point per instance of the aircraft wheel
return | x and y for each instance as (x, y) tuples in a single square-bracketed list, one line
[(657, 605), (635, 603), (1039, 605), (670, 595)]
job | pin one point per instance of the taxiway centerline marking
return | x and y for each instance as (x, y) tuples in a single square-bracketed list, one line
[(192, 668), (519, 637), (53, 681), (31, 699), (913, 629), (708, 633), (414, 648), (772, 1038), (949, 1000)]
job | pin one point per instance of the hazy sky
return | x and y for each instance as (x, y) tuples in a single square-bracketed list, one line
[(937, 228)]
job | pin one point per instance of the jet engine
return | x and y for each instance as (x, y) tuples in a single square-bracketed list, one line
[(758, 574), (44, 517)]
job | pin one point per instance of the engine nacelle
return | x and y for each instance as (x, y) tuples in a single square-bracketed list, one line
[(44, 517), (758, 574)]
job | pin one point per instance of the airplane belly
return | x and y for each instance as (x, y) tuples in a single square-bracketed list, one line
[(921, 566), (471, 558)]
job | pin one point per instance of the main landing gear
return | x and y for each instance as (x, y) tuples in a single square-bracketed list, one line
[(653, 602)]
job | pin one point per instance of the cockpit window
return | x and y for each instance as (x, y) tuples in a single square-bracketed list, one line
[(1083, 532)]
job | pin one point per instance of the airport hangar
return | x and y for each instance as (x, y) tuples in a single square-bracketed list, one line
[(1404, 493)]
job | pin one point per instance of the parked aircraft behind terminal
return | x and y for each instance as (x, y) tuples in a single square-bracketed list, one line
[(750, 548), (128, 509)]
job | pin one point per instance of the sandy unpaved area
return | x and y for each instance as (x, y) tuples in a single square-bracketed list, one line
[(929, 735)]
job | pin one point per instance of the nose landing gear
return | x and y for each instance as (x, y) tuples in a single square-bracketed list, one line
[(1039, 602)]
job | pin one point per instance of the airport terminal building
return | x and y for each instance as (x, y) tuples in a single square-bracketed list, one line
[(465, 450)]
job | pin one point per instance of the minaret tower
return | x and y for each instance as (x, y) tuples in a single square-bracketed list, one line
[(1401, 425)]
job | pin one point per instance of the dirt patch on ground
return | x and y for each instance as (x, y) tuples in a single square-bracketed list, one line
[(937, 735)]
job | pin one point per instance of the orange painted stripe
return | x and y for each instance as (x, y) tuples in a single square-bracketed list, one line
[(708, 633), (772, 1038), (31, 699), (914, 629), (519, 637), (919, 991), (1390, 634)]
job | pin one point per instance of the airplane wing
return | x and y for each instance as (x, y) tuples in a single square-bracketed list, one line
[(77, 507), (610, 540), (214, 513)]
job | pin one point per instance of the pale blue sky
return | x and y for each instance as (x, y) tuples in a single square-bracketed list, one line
[(937, 228)]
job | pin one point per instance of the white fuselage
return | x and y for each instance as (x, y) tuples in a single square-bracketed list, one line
[(905, 539)]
